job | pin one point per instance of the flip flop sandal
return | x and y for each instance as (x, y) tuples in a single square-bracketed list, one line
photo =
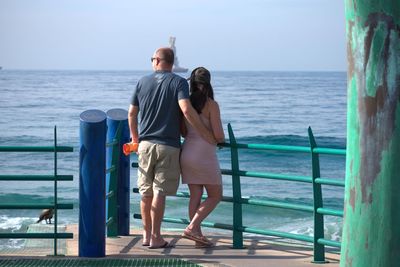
[(201, 245), (196, 238), (165, 245)]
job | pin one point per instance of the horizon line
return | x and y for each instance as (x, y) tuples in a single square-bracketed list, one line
[(148, 70)]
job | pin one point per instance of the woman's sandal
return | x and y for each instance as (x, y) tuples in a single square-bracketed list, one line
[(194, 237), (201, 245)]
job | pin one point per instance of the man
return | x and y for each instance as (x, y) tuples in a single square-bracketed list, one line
[(161, 98)]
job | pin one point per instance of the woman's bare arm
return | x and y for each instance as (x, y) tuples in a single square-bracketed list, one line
[(216, 124), (183, 127)]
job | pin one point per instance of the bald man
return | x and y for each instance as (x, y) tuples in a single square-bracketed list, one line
[(160, 98)]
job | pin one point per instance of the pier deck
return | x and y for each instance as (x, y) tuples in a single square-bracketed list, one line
[(259, 251)]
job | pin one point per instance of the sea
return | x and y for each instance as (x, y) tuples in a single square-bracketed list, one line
[(263, 107)]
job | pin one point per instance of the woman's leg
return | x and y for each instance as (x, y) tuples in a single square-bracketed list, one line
[(214, 195), (196, 192)]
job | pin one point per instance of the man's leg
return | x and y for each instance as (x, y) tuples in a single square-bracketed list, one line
[(166, 182), (157, 214), (145, 208), (145, 185)]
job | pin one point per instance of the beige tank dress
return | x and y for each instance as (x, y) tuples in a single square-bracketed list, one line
[(199, 162)]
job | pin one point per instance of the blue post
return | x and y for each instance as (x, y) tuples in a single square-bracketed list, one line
[(92, 165), (118, 129)]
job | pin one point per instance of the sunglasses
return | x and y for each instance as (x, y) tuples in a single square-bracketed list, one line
[(153, 58)]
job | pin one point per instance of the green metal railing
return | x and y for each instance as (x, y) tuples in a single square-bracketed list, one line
[(53, 205), (318, 210), (111, 195)]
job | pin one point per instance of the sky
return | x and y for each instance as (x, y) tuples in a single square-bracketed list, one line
[(232, 35)]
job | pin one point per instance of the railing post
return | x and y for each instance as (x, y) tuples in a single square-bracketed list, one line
[(119, 180), (112, 156), (319, 249), (55, 191), (237, 193), (92, 169)]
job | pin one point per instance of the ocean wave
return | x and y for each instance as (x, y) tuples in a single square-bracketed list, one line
[(15, 224), (332, 229), (283, 162), (24, 198), (7, 244), (31, 197), (264, 217), (332, 202), (27, 140), (294, 140)]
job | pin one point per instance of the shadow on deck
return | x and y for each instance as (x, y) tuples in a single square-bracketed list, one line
[(258, 251)]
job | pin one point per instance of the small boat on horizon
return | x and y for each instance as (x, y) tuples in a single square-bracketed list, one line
[(176, 67)]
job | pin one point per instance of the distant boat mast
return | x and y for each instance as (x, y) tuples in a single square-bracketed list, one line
[(176, 67)]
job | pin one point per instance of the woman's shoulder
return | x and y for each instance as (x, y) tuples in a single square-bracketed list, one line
[(212, 104), (211, 107)]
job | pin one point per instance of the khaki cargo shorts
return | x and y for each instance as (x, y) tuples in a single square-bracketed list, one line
[(159, 169)]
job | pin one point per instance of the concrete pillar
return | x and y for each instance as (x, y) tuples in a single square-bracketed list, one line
[(371, 232)]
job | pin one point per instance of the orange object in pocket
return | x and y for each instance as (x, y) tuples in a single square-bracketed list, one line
[(129, 148)]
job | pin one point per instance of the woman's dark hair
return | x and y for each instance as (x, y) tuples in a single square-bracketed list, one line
[(199, 96)]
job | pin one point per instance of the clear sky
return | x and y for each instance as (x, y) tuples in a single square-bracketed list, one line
[(218, 34)]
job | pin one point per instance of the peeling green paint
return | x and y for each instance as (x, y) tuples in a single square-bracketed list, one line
[(374, 66), (371, 232), (394, 60), (362, 8)]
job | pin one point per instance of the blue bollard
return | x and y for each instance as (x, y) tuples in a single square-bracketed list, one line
[(92, 164), (117, 122)]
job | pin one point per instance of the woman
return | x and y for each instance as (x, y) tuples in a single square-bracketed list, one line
[(199, 164)]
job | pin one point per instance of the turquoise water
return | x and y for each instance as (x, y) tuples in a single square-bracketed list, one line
[(262, 107)]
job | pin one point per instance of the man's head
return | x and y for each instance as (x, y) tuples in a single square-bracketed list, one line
[(163, 59)]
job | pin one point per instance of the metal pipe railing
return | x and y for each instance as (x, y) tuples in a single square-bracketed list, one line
[(118, 171), (111, 195), (29, 177), (55, 177), (36, 149), (319, 249), (317, 208)]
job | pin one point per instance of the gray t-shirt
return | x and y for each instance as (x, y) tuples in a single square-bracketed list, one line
[(157, 97)]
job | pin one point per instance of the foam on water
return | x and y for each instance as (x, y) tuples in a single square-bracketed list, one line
[(332, 229), (14, 225)]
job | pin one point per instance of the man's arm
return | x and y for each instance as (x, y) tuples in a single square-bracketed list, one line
[(133, 122), (193, 118)]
